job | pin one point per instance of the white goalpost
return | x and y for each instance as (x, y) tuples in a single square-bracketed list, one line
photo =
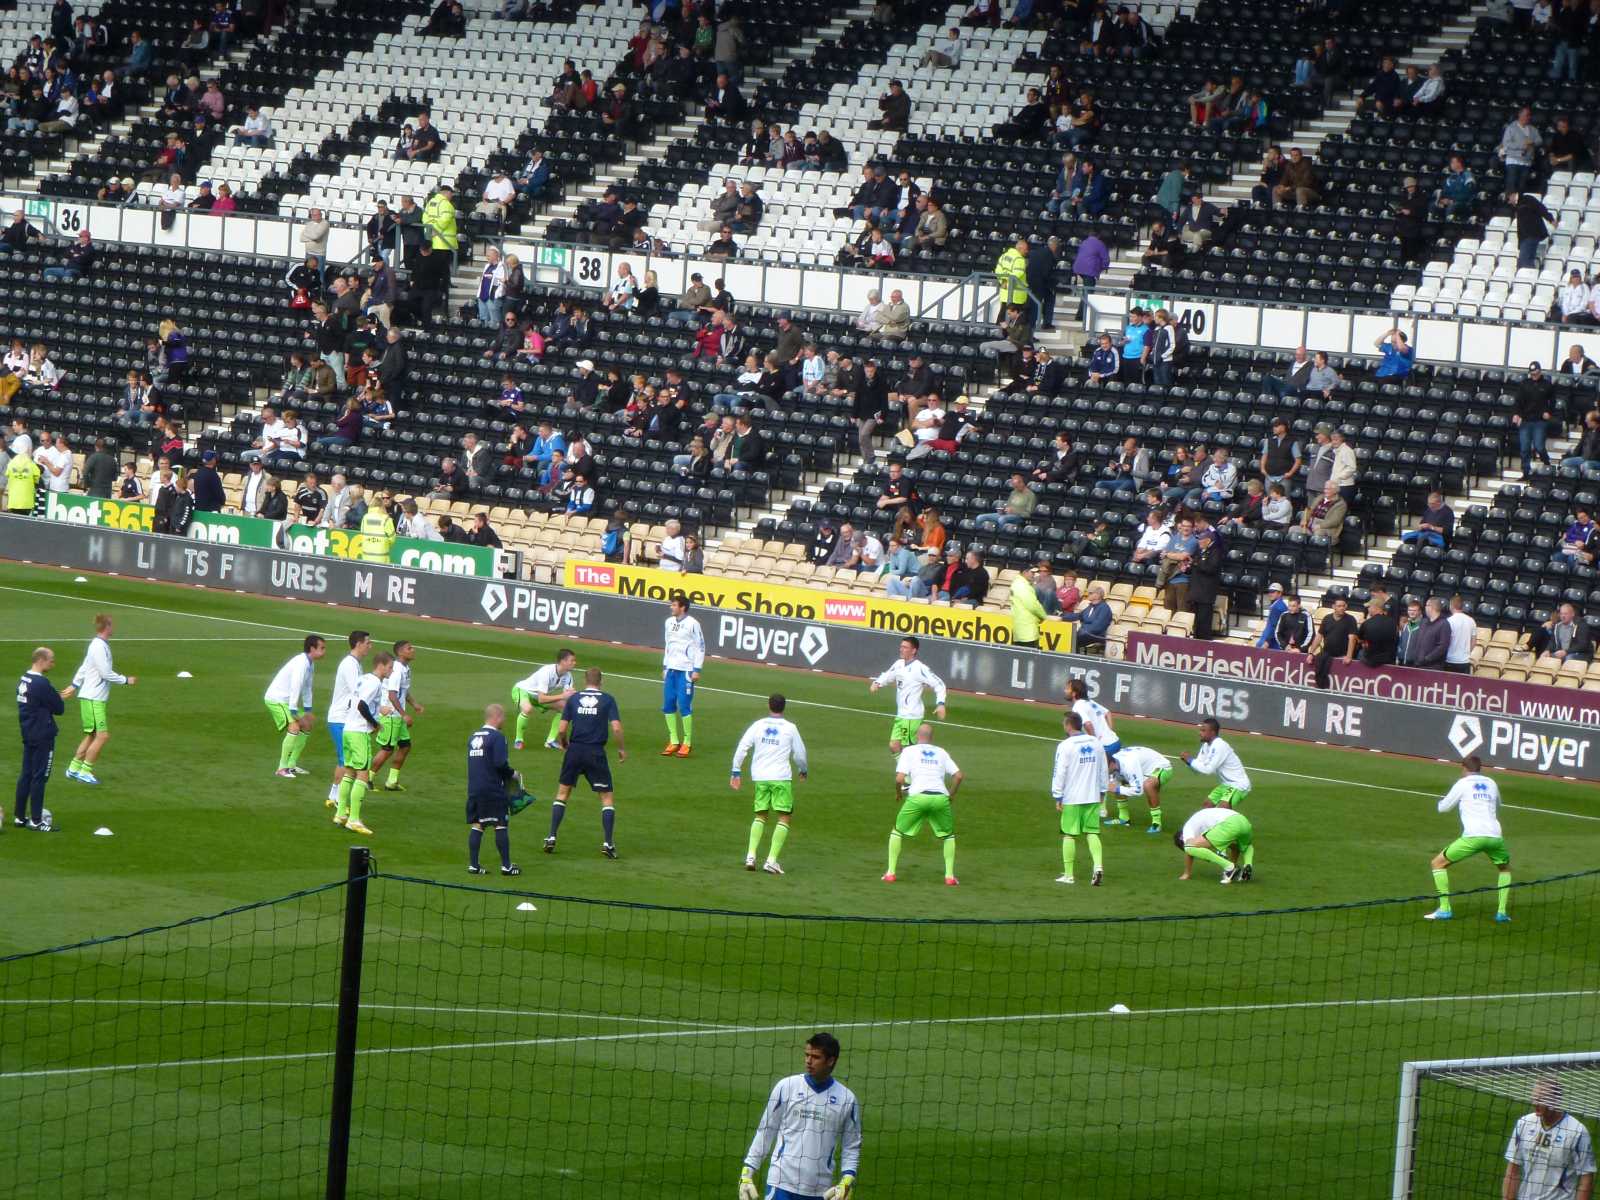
[(1508, 1078)]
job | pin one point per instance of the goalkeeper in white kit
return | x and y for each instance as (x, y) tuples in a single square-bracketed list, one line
[(773, 741), (816, 1123)]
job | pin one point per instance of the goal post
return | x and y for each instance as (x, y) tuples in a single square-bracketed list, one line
[(1503, 1082)]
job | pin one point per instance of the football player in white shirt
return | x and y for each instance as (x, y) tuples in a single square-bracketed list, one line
[(1144, 772), (344, 687), (289, 699), (1209, 834), (909, 676), (1550, 1155), (919, 781), (815, 1122), (93, 681), (772, 742), (394, 731), (363, 715), (547, 689), (683, 655), (1097, 724), (1078, 785), (1216, 757), (1477, 797)]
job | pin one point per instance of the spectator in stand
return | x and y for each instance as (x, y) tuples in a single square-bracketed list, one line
[(724, 102), (1129, 468), (78, 262), (1336, 640), (1207, 101), (1398, 355), (1205, 582), (1463, 634), (1277, 605), (894, 319), (1325, 514), (1458, 192), (1519, 148), (1436, 527), (895, 109), (1093, 621), (1565, 636), (1385, 92), (1573, 302), (1569, 149), (1430, 642), (256, 130), (1201, 220), (1028, 122), (1297, 181), (1533, 229), (1154, 538), (1166, 349), (1346, 468), (1534, 410), (1281, 458), (1424, 96), (1220, 479), (1580, 542), (1378, 636), (1105, 363), (346, 428), (946, 52), (1585, 455), (865, 554), (1088, 265), (452, 483), (969, 583), (1135, 346), (901, 568), (1013, 511), (1410, 624)]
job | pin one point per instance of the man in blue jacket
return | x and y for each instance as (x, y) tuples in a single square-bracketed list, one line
[(1094, 622), (38, 706)]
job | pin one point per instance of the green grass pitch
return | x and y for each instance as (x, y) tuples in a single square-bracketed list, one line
[(623, 1050)]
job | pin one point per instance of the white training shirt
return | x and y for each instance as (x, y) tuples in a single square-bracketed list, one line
[(1096, 721), (1154, 540), (1478, 798), (1553, 1160), (399, 683), (685, 645), (49, 458), (817, 1133), (344, 686), (369, 689), (1204, 821), (1217, 758), (292, 685), (925, 766), (909, 678), (1138, 763), (773, 740), (546, 681), (1462, 630), (672, 553), (95, 677), (1080, 771)]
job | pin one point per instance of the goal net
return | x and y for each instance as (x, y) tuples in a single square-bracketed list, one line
[(1457, 1116)]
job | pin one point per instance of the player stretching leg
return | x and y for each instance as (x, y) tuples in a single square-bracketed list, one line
[(681, 660), (93, 680), (547, 689), (774, 741), (909, 676), (1097, 724), (1078, 785), (394, 735), (1210, 833), (289, 701), (589, 718), (815, 1122), (488, 804), (344, 687), (1478, 799), (919, 782), (363, 715), (1144, 772), (1216, 757)]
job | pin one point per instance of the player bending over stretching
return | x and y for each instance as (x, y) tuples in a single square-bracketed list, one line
[(1143, 772), (1209, 834), (548, 688)]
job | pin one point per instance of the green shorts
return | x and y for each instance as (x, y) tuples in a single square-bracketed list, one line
[(905, 730), (392, 732), (1162, 776), (777, 795), (520, 697), (1231, 796), (281, 716), (357, 750), (930, 807), (93, 713), (1466, 847), (1080, 818), (1230, 830)]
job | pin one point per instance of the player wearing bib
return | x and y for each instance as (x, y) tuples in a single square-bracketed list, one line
[(1097, 724), (1477, 797), (548, 689), (1550, 1155), (344, 687), (289, 702), (362, 717), (772, 742), (587, 722), (1144, 772), (909, 676), (394, 730), (1078, 785), (919, 781), (1208, 835), (93, 681), (488, 801), (811, 1127), (683, 655), (1216, 757)]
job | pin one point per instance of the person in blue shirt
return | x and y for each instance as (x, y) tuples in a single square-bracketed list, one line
[(1276, 607), (1103, 363), (1094, 622), (38, 706), (1398, 355), (546, 444), (587, 722), (1135, 346), (488, 799)]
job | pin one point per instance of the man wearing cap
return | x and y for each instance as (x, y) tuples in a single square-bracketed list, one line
[(1534, 408), (497, 193), (439, 221), (208, 491), (205, 199), (895, 106), (1276, 607), (1027, 611), (585, 393)]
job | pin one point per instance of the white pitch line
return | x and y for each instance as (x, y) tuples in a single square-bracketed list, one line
[(740, 1030), (396, 1008), (866, 712)]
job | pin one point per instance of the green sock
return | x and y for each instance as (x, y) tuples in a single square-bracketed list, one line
[(1247, 855), (344, 797), (688, 731), (76, 765), (1094, 848), (394, 777), (286, 752), (1441, 880), (1069, 853), (1503, 886), (757, 828), (1122, 809), (358, 790), (780, 835), (296, 750), (1209, 855), (950, 858), (672, 728), (522, 726), (555, 727), (894, 851), (1155, 817)]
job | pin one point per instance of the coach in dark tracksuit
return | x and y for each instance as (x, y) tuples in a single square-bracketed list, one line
[(488, 801), (38, 706)]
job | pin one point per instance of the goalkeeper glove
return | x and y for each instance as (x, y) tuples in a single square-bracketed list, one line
[(747, 1185), (842, 1190)]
